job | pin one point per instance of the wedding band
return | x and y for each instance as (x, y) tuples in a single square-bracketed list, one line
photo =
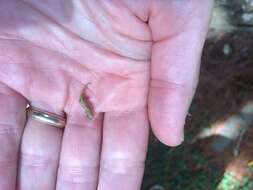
[(46, 117)]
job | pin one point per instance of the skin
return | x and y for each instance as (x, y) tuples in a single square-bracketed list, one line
[(141, 61)]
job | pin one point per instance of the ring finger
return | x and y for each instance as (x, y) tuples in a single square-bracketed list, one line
[(39, 156)]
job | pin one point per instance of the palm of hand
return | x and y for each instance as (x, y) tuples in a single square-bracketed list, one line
[(51, 52), (59, 54)]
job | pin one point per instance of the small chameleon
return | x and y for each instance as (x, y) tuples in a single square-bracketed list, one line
[(86, 105)]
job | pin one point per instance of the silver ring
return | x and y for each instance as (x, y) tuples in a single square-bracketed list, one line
[(46, 117)]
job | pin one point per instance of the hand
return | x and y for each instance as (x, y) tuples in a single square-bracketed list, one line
[(141, 61)]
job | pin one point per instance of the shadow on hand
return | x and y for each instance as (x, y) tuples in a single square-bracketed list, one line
[(15, 14)]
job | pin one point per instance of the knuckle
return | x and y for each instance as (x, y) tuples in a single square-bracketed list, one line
[(78, 173), (9, 142), (122, 166), (6, 129), (158, 83), (35, 160), (6, 163)]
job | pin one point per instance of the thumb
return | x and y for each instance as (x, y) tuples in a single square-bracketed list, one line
[(179, 29)]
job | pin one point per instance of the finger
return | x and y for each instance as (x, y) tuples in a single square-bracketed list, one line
[(178, 29), (80, 153), (12, 121), (125, 139), (39, 157)]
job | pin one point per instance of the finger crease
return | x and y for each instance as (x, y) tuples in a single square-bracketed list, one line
[(8, 129), (78, 174), (36, 160), (157, 83)]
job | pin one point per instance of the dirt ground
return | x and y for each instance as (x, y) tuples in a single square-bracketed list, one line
[(218, 150)]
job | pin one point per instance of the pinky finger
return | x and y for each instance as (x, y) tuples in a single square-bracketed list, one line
[(12, 121)]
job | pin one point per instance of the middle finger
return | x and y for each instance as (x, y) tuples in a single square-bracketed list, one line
[(79, 162)]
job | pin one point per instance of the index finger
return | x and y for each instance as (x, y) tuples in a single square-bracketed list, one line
[(125, 139)]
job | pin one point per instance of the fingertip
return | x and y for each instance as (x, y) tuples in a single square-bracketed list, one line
[(168, 135), (169, 142), (167, 113)]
